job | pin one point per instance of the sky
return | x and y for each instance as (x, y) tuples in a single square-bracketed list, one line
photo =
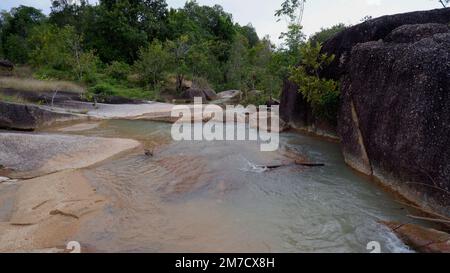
[(260, 13)]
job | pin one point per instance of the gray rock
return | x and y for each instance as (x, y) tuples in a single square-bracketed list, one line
[(394, 118), (394, 121), (376, 29), (28, 117), (229, 94), (192, 93)]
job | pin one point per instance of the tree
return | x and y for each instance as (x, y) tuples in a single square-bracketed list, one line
[(237, 66), (61, 49), (293, 9), (179, 50), (293, 38), (117, 29), (326, 33), (444, 2), (249, 32), (153, 61), (322, 94), (15, 28)]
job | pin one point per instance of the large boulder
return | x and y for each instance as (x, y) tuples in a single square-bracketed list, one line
[(192, 93), (210, 94), (297, 113), (394, 118), (376, 29), (394, 121), (28, 117)]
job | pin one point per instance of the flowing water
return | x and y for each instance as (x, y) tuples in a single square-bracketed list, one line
[(213, 197)]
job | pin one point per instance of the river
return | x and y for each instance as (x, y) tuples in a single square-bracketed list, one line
[(212, 197)]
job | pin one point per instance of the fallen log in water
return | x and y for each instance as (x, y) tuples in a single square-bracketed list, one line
[(305, 164)]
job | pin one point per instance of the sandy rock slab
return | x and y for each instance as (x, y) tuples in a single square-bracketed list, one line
[(48, 212), (33, 155), (422, 239)]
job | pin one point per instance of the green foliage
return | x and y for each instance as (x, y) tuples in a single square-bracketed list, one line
[(322, 94), (135, 48), (60, 49), (16, 49), (289, 8), (293, 38), (15, 28), (153, 62), (118, 70), (326, 33)]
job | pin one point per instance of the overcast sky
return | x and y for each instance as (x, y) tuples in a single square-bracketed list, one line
[(318, 13)]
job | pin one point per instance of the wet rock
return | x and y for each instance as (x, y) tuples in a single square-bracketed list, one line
[(422, 239)]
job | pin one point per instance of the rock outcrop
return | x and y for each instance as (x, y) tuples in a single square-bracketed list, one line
[(394, 118), (28, 117), (206, 94), (424, 240), (373, 30)]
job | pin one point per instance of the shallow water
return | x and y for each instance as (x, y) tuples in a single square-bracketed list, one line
[(211, 197)]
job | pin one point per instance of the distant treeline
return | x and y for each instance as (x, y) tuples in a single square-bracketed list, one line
[(137, 48)]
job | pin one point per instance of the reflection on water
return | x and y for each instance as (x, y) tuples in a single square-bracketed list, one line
[(211, 197)]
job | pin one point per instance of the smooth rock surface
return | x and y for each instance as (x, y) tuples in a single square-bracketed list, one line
[(31, 155)]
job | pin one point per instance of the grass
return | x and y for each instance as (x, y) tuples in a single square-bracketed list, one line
[(119, 88), (32, 85)]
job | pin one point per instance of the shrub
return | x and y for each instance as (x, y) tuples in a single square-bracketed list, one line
[(118, 70), (100, 92)]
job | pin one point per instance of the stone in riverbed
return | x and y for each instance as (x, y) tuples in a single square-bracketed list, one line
[(422, 239)]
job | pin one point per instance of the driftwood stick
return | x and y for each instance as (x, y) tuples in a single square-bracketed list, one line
[(429, 219), (306, 164)]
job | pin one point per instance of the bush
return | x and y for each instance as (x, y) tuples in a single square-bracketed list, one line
[(118, 70), (101, 92)]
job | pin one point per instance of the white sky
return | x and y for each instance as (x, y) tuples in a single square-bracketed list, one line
[(318, 13)]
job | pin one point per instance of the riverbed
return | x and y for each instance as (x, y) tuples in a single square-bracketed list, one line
[(215, 197)]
